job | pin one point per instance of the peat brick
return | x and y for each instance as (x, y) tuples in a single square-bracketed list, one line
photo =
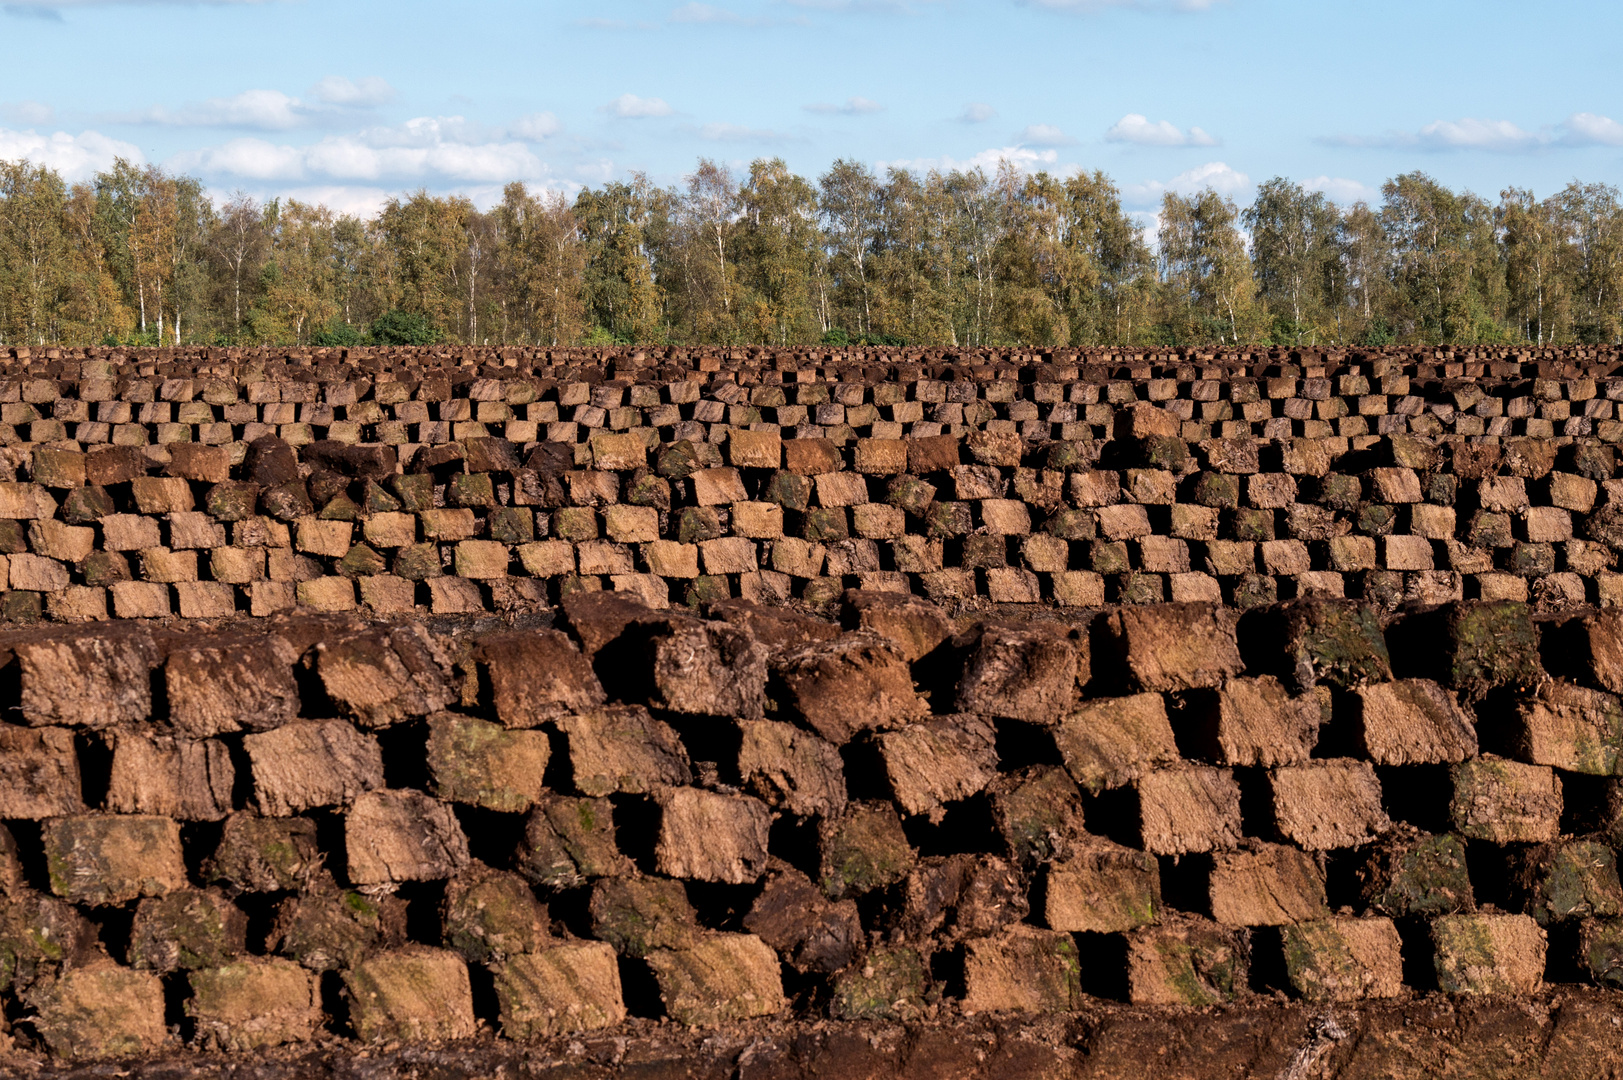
[(953, 897), (1337, 641), (1603, 632), (719, 979), (312, 763), (841, 687), (810, 932), (253, 1003), (934, 762), (260, 854), (777, 629), (639, 915), (536, 676), (414, 994), (709, 836), (1181, 810), (248, 686), (862, 849), (1253, 722), (561, 989), (1490, 644), (1262, 884), (1170, 647), (326, 928), (39, 773), (91, 681), (100, 1011), (1576, 879), (484, 764), (1411, 873), (113, 859), (1036, 812), (1108, 742), (38, 934), (1506, 802), (622, 749), (1102, 888), (889, 983), (186, 929), (491, 915), (1025, 970), (1411, 722), (395, 836), (384, 676), (1022, 674), (1488, 954), (1327, 804), (568, 842), (707, 669), (178, 778), (1186, 960), (1343, 959), (1570, 727), (911, 623), (1600, 950), (790, 769), (598, 618)]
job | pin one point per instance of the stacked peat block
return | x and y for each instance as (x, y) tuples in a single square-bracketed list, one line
[(203, 483), (319, 827)]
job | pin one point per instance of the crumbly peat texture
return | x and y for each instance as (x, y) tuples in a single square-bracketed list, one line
[(206, 483), (979, 717)]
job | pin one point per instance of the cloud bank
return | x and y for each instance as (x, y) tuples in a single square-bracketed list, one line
[(1137, 128)]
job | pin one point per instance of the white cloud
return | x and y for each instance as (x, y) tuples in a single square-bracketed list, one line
[(738, 133), (632, 107), (76, 157), (1149, 224), (52, 9), (1498, 136), (264, 110), (1044, 135), (363, 202), (536, 126), (271, 110), (854, 106), (27, 112), (444, 147), (363, 93), (1023, 158), (1589, 129), (976, 112), (1091, 6), (709, 13), (1214, 174), (1137, 128), (864, 7), (1342, 190), (1476, 135)]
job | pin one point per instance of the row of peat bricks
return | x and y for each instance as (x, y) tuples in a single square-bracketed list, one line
[(254, 833), (138, 489)]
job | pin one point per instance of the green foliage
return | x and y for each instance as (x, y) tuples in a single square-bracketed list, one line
[(399, 327), (338, 333), (601, 337), (852, 257), (1379, 334), (1288, 331)]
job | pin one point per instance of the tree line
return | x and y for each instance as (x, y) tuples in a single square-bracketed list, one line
[(959, 257)]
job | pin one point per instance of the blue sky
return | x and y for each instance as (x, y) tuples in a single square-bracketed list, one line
[(351, 101)]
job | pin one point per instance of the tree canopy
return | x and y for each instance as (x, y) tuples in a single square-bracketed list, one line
[(769, 257)]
